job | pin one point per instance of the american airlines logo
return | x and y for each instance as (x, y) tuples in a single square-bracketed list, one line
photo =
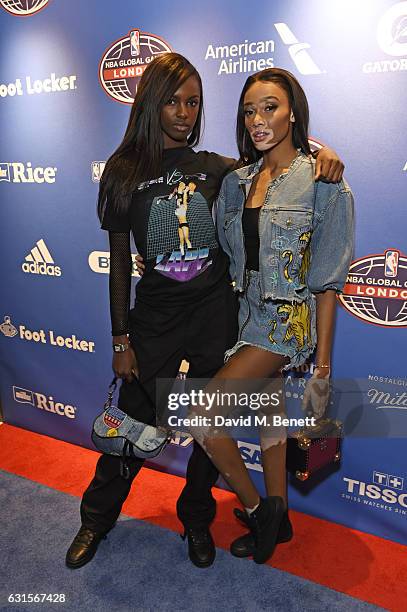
[(39, 261), (297, 50)]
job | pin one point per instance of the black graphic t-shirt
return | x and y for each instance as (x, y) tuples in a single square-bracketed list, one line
[(170, 217)]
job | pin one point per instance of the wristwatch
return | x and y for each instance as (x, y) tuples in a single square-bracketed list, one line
[(120, 348)]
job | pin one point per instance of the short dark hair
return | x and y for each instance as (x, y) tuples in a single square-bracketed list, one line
[(298, 104), (139, 156)]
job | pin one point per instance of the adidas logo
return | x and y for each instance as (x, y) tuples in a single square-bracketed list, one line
[(39, 261)]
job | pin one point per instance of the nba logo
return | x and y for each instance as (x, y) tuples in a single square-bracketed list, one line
[(391, 262), (135, 42), (97, 170)]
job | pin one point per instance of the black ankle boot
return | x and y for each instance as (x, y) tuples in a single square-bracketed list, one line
[(201, 548), (264, 524), (244, 545)]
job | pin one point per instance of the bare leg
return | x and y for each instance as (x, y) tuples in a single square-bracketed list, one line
[(275, 474), (274, 463), (248, 363)]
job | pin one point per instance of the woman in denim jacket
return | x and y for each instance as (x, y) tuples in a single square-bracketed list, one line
[(290, 241)]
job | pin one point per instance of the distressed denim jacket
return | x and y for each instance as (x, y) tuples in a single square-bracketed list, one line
[(305, 231)]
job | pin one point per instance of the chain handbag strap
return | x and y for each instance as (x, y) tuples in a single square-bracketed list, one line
[(110, 393), (113, 387)]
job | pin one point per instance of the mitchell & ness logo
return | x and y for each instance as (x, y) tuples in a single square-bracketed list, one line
[(40, 261)]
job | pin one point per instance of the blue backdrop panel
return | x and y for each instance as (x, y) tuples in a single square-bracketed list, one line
[(64, 110)]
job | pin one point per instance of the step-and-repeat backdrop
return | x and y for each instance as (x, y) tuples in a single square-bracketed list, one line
[(68, 73)]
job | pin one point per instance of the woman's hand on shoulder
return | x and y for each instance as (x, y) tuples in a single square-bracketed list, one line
[(125, 365), (140, 265), (329, 167)]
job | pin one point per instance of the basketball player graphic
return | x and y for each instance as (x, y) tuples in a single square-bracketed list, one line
[(184, 193)]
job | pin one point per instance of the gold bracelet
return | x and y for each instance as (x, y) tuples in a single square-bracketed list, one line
[(323, 366)]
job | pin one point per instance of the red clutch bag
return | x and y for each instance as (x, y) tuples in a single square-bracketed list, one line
[(312, 448)]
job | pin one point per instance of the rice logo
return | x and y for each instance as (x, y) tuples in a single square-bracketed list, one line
[(43, 402), (18, 172), (376, 289), (23, 8), (40, 261), (251, 455), (297, 50), (124, 62)]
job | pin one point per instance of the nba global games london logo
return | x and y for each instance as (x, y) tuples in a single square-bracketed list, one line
[(23, 8), (124, 62), (376, 289)]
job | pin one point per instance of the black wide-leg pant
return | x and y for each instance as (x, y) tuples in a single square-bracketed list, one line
[(161, 337)]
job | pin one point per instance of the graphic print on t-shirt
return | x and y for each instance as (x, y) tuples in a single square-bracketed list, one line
[(181, 233)]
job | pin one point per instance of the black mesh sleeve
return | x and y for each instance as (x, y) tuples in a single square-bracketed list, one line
[(120, 281)]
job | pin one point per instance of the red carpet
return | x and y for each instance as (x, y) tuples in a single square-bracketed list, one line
[(359, 564)]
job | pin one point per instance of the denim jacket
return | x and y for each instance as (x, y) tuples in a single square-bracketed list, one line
[(305, 231)]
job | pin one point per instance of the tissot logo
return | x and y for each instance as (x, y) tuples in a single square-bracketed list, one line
[(43, 402), (20, 172), (40, 261), (384, 492)]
